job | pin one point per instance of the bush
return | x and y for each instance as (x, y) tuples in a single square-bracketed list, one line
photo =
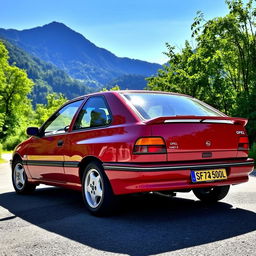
[(252, 152), (12, 142), (1, 150)]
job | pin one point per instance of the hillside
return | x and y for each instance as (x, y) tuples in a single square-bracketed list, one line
[(47, 77), (72, 52), (132, 82)]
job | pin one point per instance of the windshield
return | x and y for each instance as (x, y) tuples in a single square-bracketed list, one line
[(152, 105)]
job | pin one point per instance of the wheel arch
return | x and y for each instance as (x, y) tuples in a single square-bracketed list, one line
[(85, 161), (15, 157)]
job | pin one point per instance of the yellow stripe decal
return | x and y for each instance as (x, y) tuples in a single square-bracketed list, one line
[(46, 158)]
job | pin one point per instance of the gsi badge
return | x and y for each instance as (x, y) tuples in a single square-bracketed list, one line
[(240, 132)]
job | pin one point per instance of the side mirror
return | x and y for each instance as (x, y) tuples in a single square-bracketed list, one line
[(33, 131)]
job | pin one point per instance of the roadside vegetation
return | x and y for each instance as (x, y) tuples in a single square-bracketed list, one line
[(1, 151), (2, 160), (16, 111), (218, 68), (252, 152)]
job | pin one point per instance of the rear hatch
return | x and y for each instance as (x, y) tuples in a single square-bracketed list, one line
[(192, 130), (200, 137)]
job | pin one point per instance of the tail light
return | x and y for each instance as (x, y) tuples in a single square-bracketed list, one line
[(243, 144), (150, 145)]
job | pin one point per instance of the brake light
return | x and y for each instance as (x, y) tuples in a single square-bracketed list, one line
[(243, 143), (150, 145)]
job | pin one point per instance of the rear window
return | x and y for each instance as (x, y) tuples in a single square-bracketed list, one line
[(152, 105)]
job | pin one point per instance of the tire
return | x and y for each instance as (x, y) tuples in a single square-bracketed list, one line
[(211, 195), (20, 179), (97, 192)]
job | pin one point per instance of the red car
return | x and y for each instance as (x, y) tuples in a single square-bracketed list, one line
[(121, 142)]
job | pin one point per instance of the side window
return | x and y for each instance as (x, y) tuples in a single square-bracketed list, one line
[(59, 123), (93, 114)]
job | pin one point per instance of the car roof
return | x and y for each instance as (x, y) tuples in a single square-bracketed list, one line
[(127, 91)]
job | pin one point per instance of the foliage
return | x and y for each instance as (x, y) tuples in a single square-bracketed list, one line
[(252, 152), (14, 104), (16, 112), (1, 151), (220, 70), (34, 118), (44, 111), (115, 88)]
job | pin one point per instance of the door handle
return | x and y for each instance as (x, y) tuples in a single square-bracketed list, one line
[(60, 143)]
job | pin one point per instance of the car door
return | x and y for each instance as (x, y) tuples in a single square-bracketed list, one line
[(45, 153), (90, 132)]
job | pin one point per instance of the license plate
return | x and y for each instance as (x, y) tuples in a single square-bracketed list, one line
[(208, 175)]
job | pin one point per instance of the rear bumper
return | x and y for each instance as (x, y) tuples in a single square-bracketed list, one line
[(133, 178)]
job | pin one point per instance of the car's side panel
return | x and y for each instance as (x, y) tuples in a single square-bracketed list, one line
[(113, 143), (45, 158), (108, 144)]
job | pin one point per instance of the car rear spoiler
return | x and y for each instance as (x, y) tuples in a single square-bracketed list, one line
[(198, 119)]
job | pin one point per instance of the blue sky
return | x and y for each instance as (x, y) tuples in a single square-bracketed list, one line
[(128, 28)]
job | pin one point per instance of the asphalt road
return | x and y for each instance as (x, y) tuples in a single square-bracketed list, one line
[(53, 221)]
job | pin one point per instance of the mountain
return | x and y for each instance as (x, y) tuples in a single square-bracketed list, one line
[(72, 52), (47, 77), (132, 82)]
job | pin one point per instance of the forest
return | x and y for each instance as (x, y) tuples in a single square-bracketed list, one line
[(216, 66)]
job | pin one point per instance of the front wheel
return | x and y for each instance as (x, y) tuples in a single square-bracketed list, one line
[(20, 179), (211, 195), (97, 192)]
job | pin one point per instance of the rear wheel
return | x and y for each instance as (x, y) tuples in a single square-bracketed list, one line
[(97, 192), (213, 194), (20, 179)]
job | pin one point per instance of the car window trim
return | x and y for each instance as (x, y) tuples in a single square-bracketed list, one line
[(132, 107), (95, 127), (42, 135)]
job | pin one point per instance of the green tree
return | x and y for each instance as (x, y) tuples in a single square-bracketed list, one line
[(198, 73), (234, 37), (14, 103)]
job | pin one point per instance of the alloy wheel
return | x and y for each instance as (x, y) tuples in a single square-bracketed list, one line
[(93, 188), (19, 176)]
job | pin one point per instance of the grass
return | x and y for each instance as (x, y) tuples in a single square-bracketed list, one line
[(7, 152), (2, 161)]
